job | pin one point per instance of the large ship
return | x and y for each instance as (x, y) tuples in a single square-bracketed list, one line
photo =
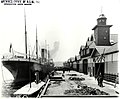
[(26, 67)]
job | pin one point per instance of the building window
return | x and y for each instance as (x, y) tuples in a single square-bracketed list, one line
[(102, 20), (112, 57), (84, 51), (81, 53), (104, 38), (99, 20), (106, 31), (106, 67), (87, 51)]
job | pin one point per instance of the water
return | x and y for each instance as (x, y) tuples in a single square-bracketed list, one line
[(8, 88), (7, 84)]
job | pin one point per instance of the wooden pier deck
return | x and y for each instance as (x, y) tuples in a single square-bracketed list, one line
[(26, 90)]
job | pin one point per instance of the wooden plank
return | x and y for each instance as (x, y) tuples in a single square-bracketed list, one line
[(26, 90), (44, 90)]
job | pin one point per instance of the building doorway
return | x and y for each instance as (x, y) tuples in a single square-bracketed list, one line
[(85, 66), (99, 68), (77, 66)]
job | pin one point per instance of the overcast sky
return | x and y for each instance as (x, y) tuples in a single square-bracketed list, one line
[(65, 22)]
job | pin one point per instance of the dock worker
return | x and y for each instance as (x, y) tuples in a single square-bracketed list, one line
[(63, 72), (52, 73), (69, 69), (100, 80)]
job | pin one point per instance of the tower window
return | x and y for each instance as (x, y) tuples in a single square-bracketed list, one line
[(104, 38), (102, 20), (99, 20), (106, 31)]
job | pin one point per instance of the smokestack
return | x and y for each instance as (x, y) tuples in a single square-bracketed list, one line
[(44, 54)]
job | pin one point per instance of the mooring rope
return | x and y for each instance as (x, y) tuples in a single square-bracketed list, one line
[(3, 74)]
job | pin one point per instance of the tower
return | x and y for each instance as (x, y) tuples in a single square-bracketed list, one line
[(102, 32)]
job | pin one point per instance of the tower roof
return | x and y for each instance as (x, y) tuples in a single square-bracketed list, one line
[(102, 16), (101, 26)]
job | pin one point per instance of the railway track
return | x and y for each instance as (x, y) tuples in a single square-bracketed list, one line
[(43, 90)]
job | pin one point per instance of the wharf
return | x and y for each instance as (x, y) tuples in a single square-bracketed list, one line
[(69, 84), (26, 90), (69, 87)]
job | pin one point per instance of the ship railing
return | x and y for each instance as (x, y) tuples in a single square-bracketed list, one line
[(20, 59), (11, 56), (32, 57), (23, 54)]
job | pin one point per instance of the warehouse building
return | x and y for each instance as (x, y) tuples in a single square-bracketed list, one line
[(99, 54)]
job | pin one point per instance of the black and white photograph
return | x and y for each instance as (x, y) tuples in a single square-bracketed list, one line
[(59, 48)]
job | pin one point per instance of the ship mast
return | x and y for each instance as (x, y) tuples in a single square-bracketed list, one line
[(48, 53), (36, 44), (25, 35)]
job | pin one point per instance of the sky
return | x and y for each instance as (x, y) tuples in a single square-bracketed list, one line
[(64, 23)]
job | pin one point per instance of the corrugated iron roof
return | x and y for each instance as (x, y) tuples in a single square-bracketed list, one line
[(113, 48), (102, 49), (92, 44), (72, 59), (82, 47), (89, 42), (78, 57)]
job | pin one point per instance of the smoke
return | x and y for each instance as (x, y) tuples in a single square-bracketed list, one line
[(53, 52)]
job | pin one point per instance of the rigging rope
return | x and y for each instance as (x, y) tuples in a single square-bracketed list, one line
[(33, 50), (23, 53), (2, 74)]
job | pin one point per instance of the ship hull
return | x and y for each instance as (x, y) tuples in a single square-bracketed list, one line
[(24, 71)]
